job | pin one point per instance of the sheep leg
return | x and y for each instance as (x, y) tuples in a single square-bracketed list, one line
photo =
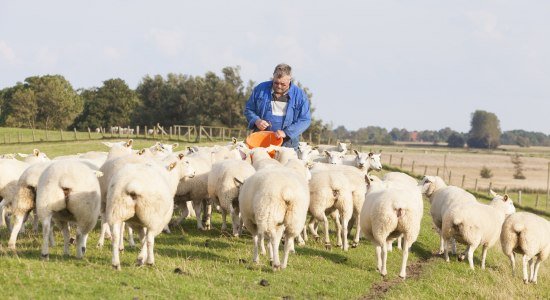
[(224, 220), (525, 274), (66, 237), (289, 245), (442, 245), (405, 253), (304, 234), (235, 221), (197, 206), (512, 257), (311, 226), (207, 215), (327, 239), (483, 256), (255, 256), (338, 225), (81, 245), (115, 235), (358, 231), (390, 246), (131, 241), (536, 273), (453, 241), (269, 248), (384, 272), (400, 242), (301, 240), (378, 250), (46, 224), (34, 221), (345, 222), (532, 267), (18, 222), (150, 248), (142, 256), (51, 238), (471, 250), (275, 240), (105, 230), (445, 250)]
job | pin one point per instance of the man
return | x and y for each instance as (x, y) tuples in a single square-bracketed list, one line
[(279, 106)]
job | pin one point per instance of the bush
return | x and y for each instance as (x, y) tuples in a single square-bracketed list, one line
[(518, 167), (486, 172)]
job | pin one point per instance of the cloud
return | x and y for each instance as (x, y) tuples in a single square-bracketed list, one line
[(6, 53), (111, 52), (486, 24), (46, 57), (168, 42)]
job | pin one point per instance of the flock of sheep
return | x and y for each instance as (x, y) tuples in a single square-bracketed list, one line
[(268, 191)]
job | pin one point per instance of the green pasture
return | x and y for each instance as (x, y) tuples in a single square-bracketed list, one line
[(192, 264)]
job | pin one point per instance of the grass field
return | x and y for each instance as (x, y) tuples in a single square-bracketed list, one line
[(200, 265)]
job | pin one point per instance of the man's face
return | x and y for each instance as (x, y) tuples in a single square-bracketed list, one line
[(281, 84)]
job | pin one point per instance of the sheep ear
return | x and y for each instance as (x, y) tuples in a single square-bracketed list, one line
[(327, 153), (238, 182), (367, 180), (234, 140), (315, 147), (356, 152), (141, 152), (505, 198), (243, 155), (129, 143), (371, 154), (181, 156), (492, 193), (175, 145), (36, 152), (172, 166)]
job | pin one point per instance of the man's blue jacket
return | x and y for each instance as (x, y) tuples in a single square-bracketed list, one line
[(297, 118)]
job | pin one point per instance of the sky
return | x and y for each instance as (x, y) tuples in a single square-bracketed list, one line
[(408, 64)]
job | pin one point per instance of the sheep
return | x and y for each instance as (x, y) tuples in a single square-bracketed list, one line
[(284, 154), (307, 153), (119, 148), (10, 171), (356, 179), (68, 191), (442, 198), (527, 234), (388, 212), (224, 182), (340, 147), (25, 199), (273, 202), (35, 156), (142, 195), (260, 159), (476, 224), (329, 191), (195, 189)]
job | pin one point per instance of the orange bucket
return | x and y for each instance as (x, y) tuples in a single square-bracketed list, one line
[(263, 139)]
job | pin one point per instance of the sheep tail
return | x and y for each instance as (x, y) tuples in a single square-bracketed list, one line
[(518, 228), (287, 195)]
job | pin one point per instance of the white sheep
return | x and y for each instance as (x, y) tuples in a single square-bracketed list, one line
[(10, 171), (224, 182), (25, 199), (390, 211), (330, 190), (443, 198), (529, 235), (273, 202), (363, 161), (260, 159), (340, 147), (284, 154), (68, 191), (35, 156), (142, 195), (476, 224)]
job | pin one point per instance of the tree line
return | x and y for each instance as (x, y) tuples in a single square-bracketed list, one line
[(51, 102)]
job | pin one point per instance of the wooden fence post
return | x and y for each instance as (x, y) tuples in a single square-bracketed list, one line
[(505, 189), (437, 172), (490, 188), (519, 197), (537, 201), (33, 137), (548, 185), (75, 137), (145, 132), (450, 174), (401, 164), (61, 133), (391, 156), (463, 179), (412, 168), (475, 186), (89, 133)]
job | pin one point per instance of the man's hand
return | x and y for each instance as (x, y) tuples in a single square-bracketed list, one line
[(261, 124), (280, 134)]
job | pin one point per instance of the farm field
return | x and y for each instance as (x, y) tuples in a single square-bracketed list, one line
[(205, 265)]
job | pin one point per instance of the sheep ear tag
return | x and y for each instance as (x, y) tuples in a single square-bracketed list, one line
[(171, 166), (36, 152)]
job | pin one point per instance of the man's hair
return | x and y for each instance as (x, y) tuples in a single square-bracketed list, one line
[(282, 70)]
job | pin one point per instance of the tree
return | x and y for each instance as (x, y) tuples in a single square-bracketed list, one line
[(455, 140), (112, 104), (518, 166), (485, 131)]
